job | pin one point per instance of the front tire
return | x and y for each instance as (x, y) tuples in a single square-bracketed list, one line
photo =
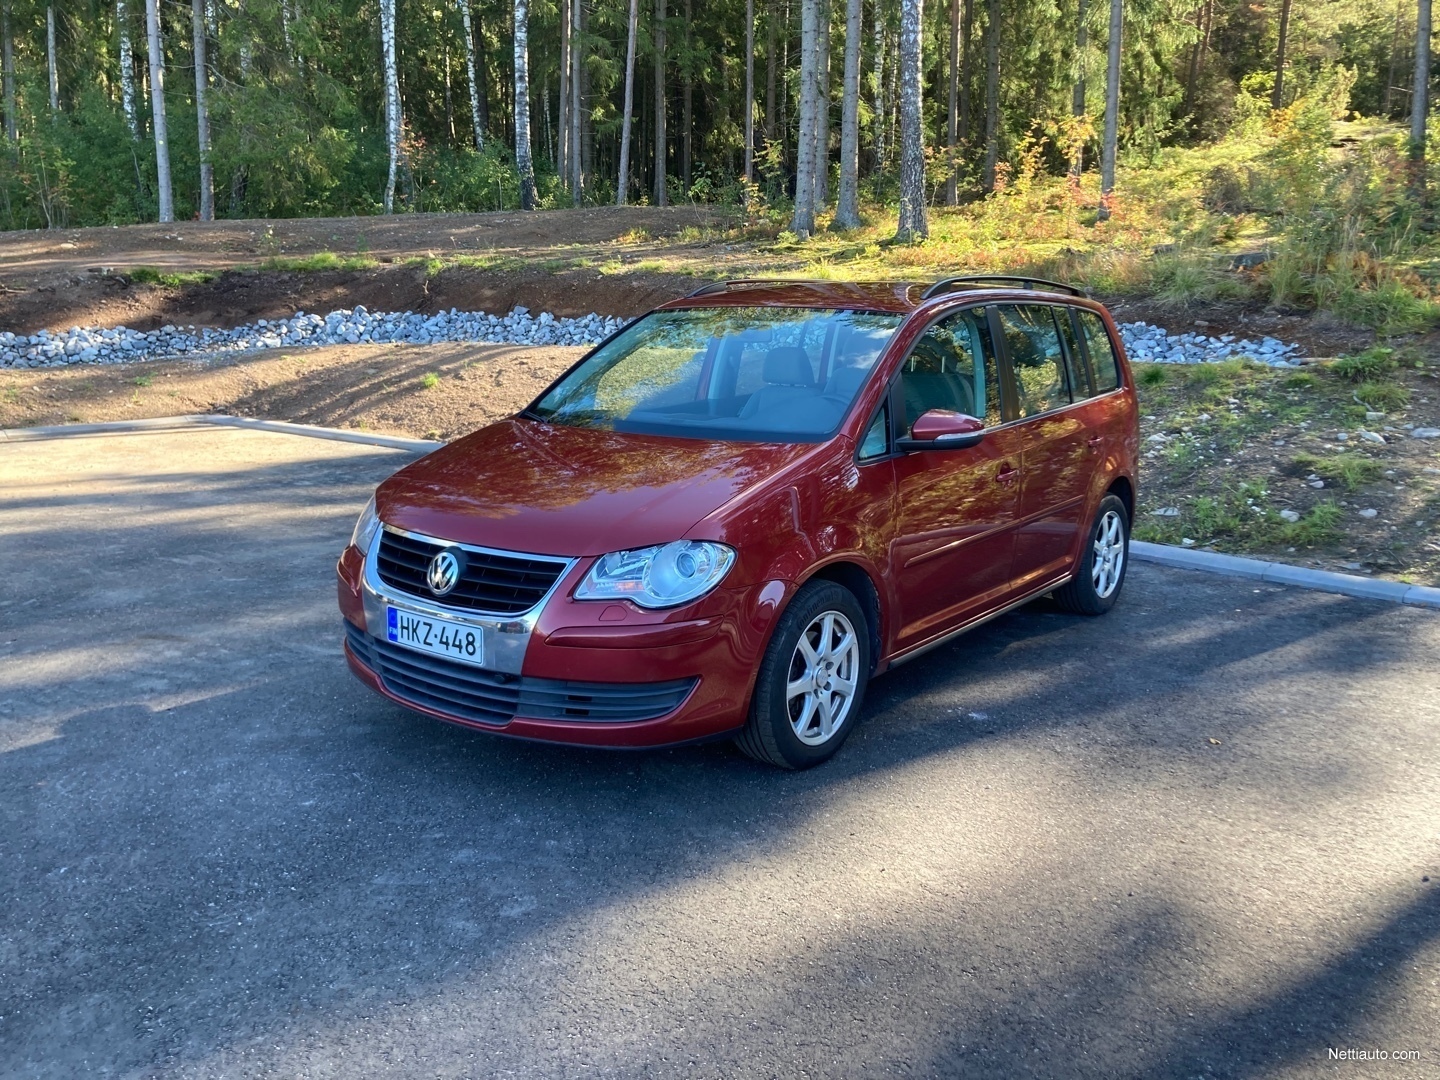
[(811, 683), (1103, 562)]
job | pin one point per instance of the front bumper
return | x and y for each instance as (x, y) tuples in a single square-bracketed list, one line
[(582, 673)]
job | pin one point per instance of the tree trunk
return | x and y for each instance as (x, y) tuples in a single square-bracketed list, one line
[(51, 69), (802, 224), (1420, 100), (202, 112), (622, 186), (577, 64), (127, 69), (1389, 104), (661, 194), (847, 212), (1112, 108), (952, 126), (992, 93), (1277, 95), (749, 171), (770, 65), (822, 107), (967, 63), (524, 164), (880, 103), (7, 62), (1077, 97), (470, 76), (687, 105), (393, 120), (1193, 74), (562, 157), (912, 224), (449, 102), (157, 106)]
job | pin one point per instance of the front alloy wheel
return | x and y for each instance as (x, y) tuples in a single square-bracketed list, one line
[(811, 682)]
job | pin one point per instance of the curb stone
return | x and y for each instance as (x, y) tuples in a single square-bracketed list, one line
[(1284, 574)]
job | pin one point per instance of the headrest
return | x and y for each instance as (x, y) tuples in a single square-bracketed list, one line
[(845, 382), (788, 365)]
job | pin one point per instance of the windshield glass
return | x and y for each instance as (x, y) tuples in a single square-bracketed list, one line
[(750, 374)]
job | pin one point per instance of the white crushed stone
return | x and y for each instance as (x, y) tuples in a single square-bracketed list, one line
[(352, 326), (120, 345)]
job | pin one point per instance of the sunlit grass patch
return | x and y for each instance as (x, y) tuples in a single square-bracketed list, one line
[(320, 260), (149, 275)]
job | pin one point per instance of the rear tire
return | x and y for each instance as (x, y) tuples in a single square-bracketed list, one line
[(1103, 562), (811, 682)]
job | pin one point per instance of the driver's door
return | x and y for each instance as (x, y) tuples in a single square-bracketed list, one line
[(953, 539)]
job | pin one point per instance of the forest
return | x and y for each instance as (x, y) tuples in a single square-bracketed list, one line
[(133, 110)]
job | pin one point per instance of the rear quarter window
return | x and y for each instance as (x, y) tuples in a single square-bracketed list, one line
[(1102, 352)]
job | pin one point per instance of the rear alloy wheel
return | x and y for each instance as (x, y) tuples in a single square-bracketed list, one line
[(1101, 572), (812, 680)]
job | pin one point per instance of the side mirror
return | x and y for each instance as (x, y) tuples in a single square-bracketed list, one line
[(941, 429)]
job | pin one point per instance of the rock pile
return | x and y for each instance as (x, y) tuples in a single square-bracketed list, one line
[(1152, 343), (351, 326), (359, 325)]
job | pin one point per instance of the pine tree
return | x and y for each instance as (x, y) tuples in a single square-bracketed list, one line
[(622, 186), (802, 224), (1112, 108)]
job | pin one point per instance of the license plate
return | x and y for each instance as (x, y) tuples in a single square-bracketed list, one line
[(440, 637)]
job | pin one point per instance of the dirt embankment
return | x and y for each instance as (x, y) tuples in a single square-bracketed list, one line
[(545, 261)]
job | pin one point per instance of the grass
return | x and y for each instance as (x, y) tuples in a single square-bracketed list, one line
[(143, 380), (1350, 470), (149, 275), (1383, 396), (430, 380), (321, 260), (1372, 364)]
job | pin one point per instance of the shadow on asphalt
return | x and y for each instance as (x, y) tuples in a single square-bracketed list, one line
[(226, 842)]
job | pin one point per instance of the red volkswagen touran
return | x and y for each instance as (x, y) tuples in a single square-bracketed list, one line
[(728, 517)]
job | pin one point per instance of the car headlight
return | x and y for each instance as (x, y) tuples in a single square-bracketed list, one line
[(366, 527), (658, 577)]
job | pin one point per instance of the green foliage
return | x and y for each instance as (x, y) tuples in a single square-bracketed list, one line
[(430, 380), (321, 260), (1374, 363), (1349, 470), (148, 275), (1383, 396), (1152, 374)]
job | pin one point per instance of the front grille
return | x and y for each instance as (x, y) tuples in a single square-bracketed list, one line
[(492, 583), (492, 697)]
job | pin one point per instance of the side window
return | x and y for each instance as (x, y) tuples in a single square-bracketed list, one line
[(1079, 373), (877, 437), (1102, 353), (1035, 357), (952, 367)]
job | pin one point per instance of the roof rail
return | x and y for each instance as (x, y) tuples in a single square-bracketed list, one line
[(945, 284), (723, 286)]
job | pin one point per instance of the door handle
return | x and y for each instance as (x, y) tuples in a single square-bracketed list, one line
[(1094, 441), (1007, 475)]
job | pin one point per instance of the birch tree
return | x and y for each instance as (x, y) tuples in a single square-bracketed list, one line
[(880, 104), (1420, 99), (802, 224), (749, 171), (912, 224), (393, 120), (53, 72), (952, 117), (470, 77), (157, 110), (661, 194), (562, 152), (577, 62), (524, 164), (622, 186), (127, 69), (202, 113), (1112, 108), (847, 212)]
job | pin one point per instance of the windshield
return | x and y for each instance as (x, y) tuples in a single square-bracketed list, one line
[(750, 374)]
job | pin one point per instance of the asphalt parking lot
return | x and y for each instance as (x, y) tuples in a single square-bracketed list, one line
[(1189, 839)]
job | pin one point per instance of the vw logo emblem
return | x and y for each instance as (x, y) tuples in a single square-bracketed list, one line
[(443, 574)]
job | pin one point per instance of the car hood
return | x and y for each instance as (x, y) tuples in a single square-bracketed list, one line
[(549, 489)]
